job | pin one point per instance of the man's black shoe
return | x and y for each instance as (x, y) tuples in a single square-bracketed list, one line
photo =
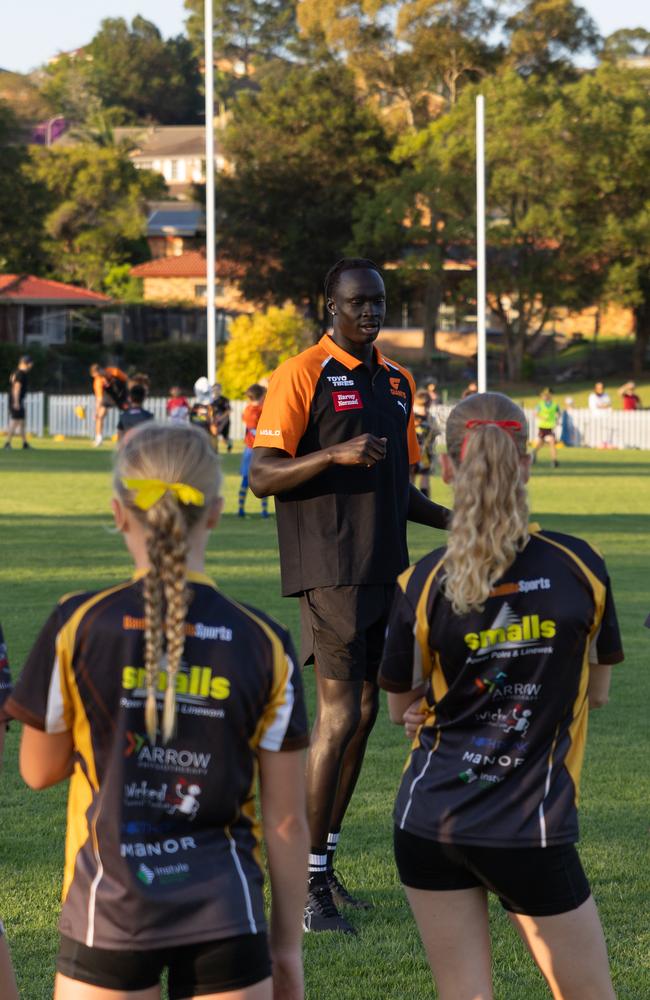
[(321, 913), (341, 895)]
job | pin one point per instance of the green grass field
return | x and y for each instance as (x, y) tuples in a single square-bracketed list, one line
[(56, 537)]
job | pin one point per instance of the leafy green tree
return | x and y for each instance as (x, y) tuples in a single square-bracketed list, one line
[(136, 69), (131, 70), (545, 35), (607, 130), (414, 55), (625, 44), (68, 87), (258, 344), (243, 29), (303, 149), (95, 210), (534, 211), (22, 200)]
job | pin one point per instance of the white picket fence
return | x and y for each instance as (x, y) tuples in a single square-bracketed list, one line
[(34, 412), (614, 428), (64, 416), (582, 428)]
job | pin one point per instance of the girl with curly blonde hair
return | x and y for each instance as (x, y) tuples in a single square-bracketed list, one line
[(497, 646)]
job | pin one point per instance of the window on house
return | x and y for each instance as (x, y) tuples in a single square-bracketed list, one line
[(173, 170)]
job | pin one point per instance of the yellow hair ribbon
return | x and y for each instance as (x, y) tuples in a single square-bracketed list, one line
[(149, 491)]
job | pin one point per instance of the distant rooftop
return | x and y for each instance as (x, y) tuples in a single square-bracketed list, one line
[(164, 140), (173, 218), (25, 289), (187, 265)]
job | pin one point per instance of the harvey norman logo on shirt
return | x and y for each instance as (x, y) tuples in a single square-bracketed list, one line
[(347, 400)]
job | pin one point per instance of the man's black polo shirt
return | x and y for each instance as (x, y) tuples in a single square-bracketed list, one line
[(348, 524)]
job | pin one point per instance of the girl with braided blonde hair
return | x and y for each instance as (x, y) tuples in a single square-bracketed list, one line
[(164, 701), (497, 647)]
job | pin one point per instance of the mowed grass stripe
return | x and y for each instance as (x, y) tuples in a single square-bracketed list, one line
[(56, 535)]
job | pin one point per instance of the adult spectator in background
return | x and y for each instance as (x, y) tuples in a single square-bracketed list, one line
[(110, 388), (334, 445), (548, 414), (17, 392), (221, 409), (600, 405), (470, 390), (629, 397), (8, 989), (135, 412)]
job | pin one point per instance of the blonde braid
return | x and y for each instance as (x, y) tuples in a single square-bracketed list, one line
[(173, 566), (153, 599), (179, 454), (490, 519)]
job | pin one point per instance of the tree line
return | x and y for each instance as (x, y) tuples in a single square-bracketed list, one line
[(351, 131)]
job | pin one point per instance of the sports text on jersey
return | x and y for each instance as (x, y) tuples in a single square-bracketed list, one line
[(195, 629), (509, 632), (521, 587), (195, 684)]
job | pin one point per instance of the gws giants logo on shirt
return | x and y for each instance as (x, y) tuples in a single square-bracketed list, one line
[(510, 632), (395, 384)]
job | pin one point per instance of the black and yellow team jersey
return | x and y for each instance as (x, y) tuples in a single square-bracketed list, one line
[(5, 677), (347, 525), (162, 842), (498, 759)]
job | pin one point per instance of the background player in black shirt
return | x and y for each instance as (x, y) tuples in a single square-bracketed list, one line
[(162, 698), (17, 393), (135, 413), (497, 647), (333, 445)]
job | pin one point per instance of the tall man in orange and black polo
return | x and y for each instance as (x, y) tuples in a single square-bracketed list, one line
[(334, 445)]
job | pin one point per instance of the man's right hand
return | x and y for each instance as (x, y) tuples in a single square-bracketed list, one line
[(363, 450)]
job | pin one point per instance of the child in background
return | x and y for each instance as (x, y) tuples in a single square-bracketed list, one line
[(163, 865), (135, 413), (427, 431), (8, 989), (178, 408), (202, 411), (251, 416)]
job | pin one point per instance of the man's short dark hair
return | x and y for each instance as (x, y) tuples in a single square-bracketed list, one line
[(347, 264), (137, 393)]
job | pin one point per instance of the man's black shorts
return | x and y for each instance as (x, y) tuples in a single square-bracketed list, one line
[(545, 432), (537, 881), (343, 628), (17, 412), (194, 969)]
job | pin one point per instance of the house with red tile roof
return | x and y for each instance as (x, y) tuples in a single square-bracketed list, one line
[(39, 311), (183, 279)]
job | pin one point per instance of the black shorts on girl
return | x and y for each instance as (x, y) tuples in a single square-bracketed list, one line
[(536, 881), (194, 969)]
